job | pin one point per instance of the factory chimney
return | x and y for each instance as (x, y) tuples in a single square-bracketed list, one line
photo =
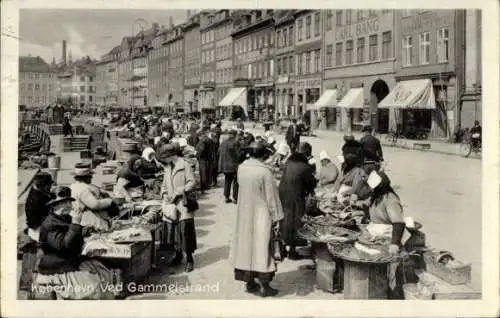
[(171, 22), (64, 52)]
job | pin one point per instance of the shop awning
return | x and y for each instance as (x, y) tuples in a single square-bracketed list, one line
[(353, 99), (418, 94), (233, 97), (328, 99)]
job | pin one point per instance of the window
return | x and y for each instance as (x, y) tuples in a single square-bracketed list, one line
[(285, 65), (407, 51), (387, 45), (360, 15), (271, 68), (37, 99), (290, 35), (338, 54), (266, 69), (82, 88), (299, 30), (30, 86), (386, 11), (37, 87), (308, 62), (348, 52), (291, 63), (443, 45), (338, 18), (329, 18), (348, 16), (316, 24), (425, 48), (91, 78), (278, 35), (372, 13), (360, 50), (373, 47), (308, 27), (405, 13), (299, 64), (21, 87), (271, 39), (285, 38), (90, 98), (317, 56), (82, 78), (329, 55), (278, 62)]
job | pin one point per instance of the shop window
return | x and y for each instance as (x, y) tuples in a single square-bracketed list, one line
[(349, 52), (360, 50), (387, 45), (407, 51), (299, 30), (329, 18), (329, 55), (425, 47), (316, 24), (443, 45), (373, 47), (338, 18), (308, 27), (338, 53)]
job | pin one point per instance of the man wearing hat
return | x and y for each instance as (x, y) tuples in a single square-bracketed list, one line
[(36, 209), (204, 151), (372, 149), (229, 157)]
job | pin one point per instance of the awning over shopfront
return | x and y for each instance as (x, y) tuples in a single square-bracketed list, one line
[(234, 97), (418, 94), (353, 99), (328, 99)]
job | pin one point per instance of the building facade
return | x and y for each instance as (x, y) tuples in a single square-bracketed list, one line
[(223, 27), (430, 46), (285, 62), (107, 79), (158, 72), (253, 63), (174, 40), (208, 65), (125, 72), (37, 82), (359, 63), (192, 63), (308, 47)]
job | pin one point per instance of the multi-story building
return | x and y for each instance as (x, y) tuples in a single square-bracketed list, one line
[(174, 40), (253, 65), (37, 82), (125, 72), (223, 27), (429, 70), (77, 83), (208, 63), (158, 72), (285, 62), (107, 78), (471, 103), (308, 45), (359, 67), (192, 63)]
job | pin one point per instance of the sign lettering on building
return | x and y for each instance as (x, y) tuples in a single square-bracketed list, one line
[(360, 29), (426, 22), (309, 83)]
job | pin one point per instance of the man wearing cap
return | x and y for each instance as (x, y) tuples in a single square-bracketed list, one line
[(36, 209), (229, 157), (204, 152), (214, 152), (292, 136), (372, 149)]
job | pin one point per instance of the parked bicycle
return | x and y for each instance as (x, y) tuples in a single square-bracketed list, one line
[(396, 138), (470, 145)]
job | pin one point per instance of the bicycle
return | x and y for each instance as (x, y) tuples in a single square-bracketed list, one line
[(468, 146), (396, 138)]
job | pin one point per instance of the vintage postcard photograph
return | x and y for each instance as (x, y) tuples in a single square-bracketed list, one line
[(254, 155)]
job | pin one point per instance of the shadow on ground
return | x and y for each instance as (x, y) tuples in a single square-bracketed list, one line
[(203, 222), (211, 256), (300, 282)]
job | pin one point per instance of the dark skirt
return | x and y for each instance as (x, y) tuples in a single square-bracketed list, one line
[(180, 235), (249, 276), (293, 209)]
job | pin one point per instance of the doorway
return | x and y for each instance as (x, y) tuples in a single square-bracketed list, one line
[(379, 117)]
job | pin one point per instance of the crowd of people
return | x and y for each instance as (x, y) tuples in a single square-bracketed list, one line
[(249, 164)]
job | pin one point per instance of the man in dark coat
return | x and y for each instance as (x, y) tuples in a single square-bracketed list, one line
[(203, 150), (229, 159), (372, 149), (214, 164), (193, 138), (476, 134), (297, 182), (352, 150), (292, 136), (36, 209)]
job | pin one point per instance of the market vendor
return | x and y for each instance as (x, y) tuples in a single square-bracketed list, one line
[(387, 219), (96, 207), (279, 158), (149, 166), (62, 265), (129, 184), (328, 172)]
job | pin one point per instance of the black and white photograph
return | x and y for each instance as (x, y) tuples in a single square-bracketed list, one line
[(328, 153)]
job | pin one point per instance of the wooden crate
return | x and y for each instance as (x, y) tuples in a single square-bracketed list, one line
[(325, 268), (453, 276), (443, 290), (365, 281)]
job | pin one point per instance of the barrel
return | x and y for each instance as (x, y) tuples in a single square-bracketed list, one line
[(54, 162)]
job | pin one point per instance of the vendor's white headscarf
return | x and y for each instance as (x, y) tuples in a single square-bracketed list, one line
[(283, 149), (146, 153)]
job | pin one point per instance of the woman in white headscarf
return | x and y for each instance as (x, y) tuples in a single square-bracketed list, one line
[(328, 172)]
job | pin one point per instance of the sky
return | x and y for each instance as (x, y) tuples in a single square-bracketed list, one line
[(86, 31)]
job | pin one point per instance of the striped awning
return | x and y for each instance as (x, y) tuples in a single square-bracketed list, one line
[(417, 94)]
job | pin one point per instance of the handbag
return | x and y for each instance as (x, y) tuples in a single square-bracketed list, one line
[(278, 246), (190, 201)]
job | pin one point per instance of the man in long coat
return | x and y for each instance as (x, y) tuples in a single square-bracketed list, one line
[(229, 158), (204, 152), (258, 213), (296, 184), (292, 136)]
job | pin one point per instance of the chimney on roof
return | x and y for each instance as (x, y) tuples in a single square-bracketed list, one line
[(64, 52), (171, 22), (188, 14)]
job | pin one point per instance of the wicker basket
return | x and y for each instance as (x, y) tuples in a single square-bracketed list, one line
[(453, 276)]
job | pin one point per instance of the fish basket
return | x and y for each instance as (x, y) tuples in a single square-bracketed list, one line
[(454, 276)]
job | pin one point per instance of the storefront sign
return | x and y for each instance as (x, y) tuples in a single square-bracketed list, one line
[(309, 83), (282, 79), (360, 29), (426, 22)]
